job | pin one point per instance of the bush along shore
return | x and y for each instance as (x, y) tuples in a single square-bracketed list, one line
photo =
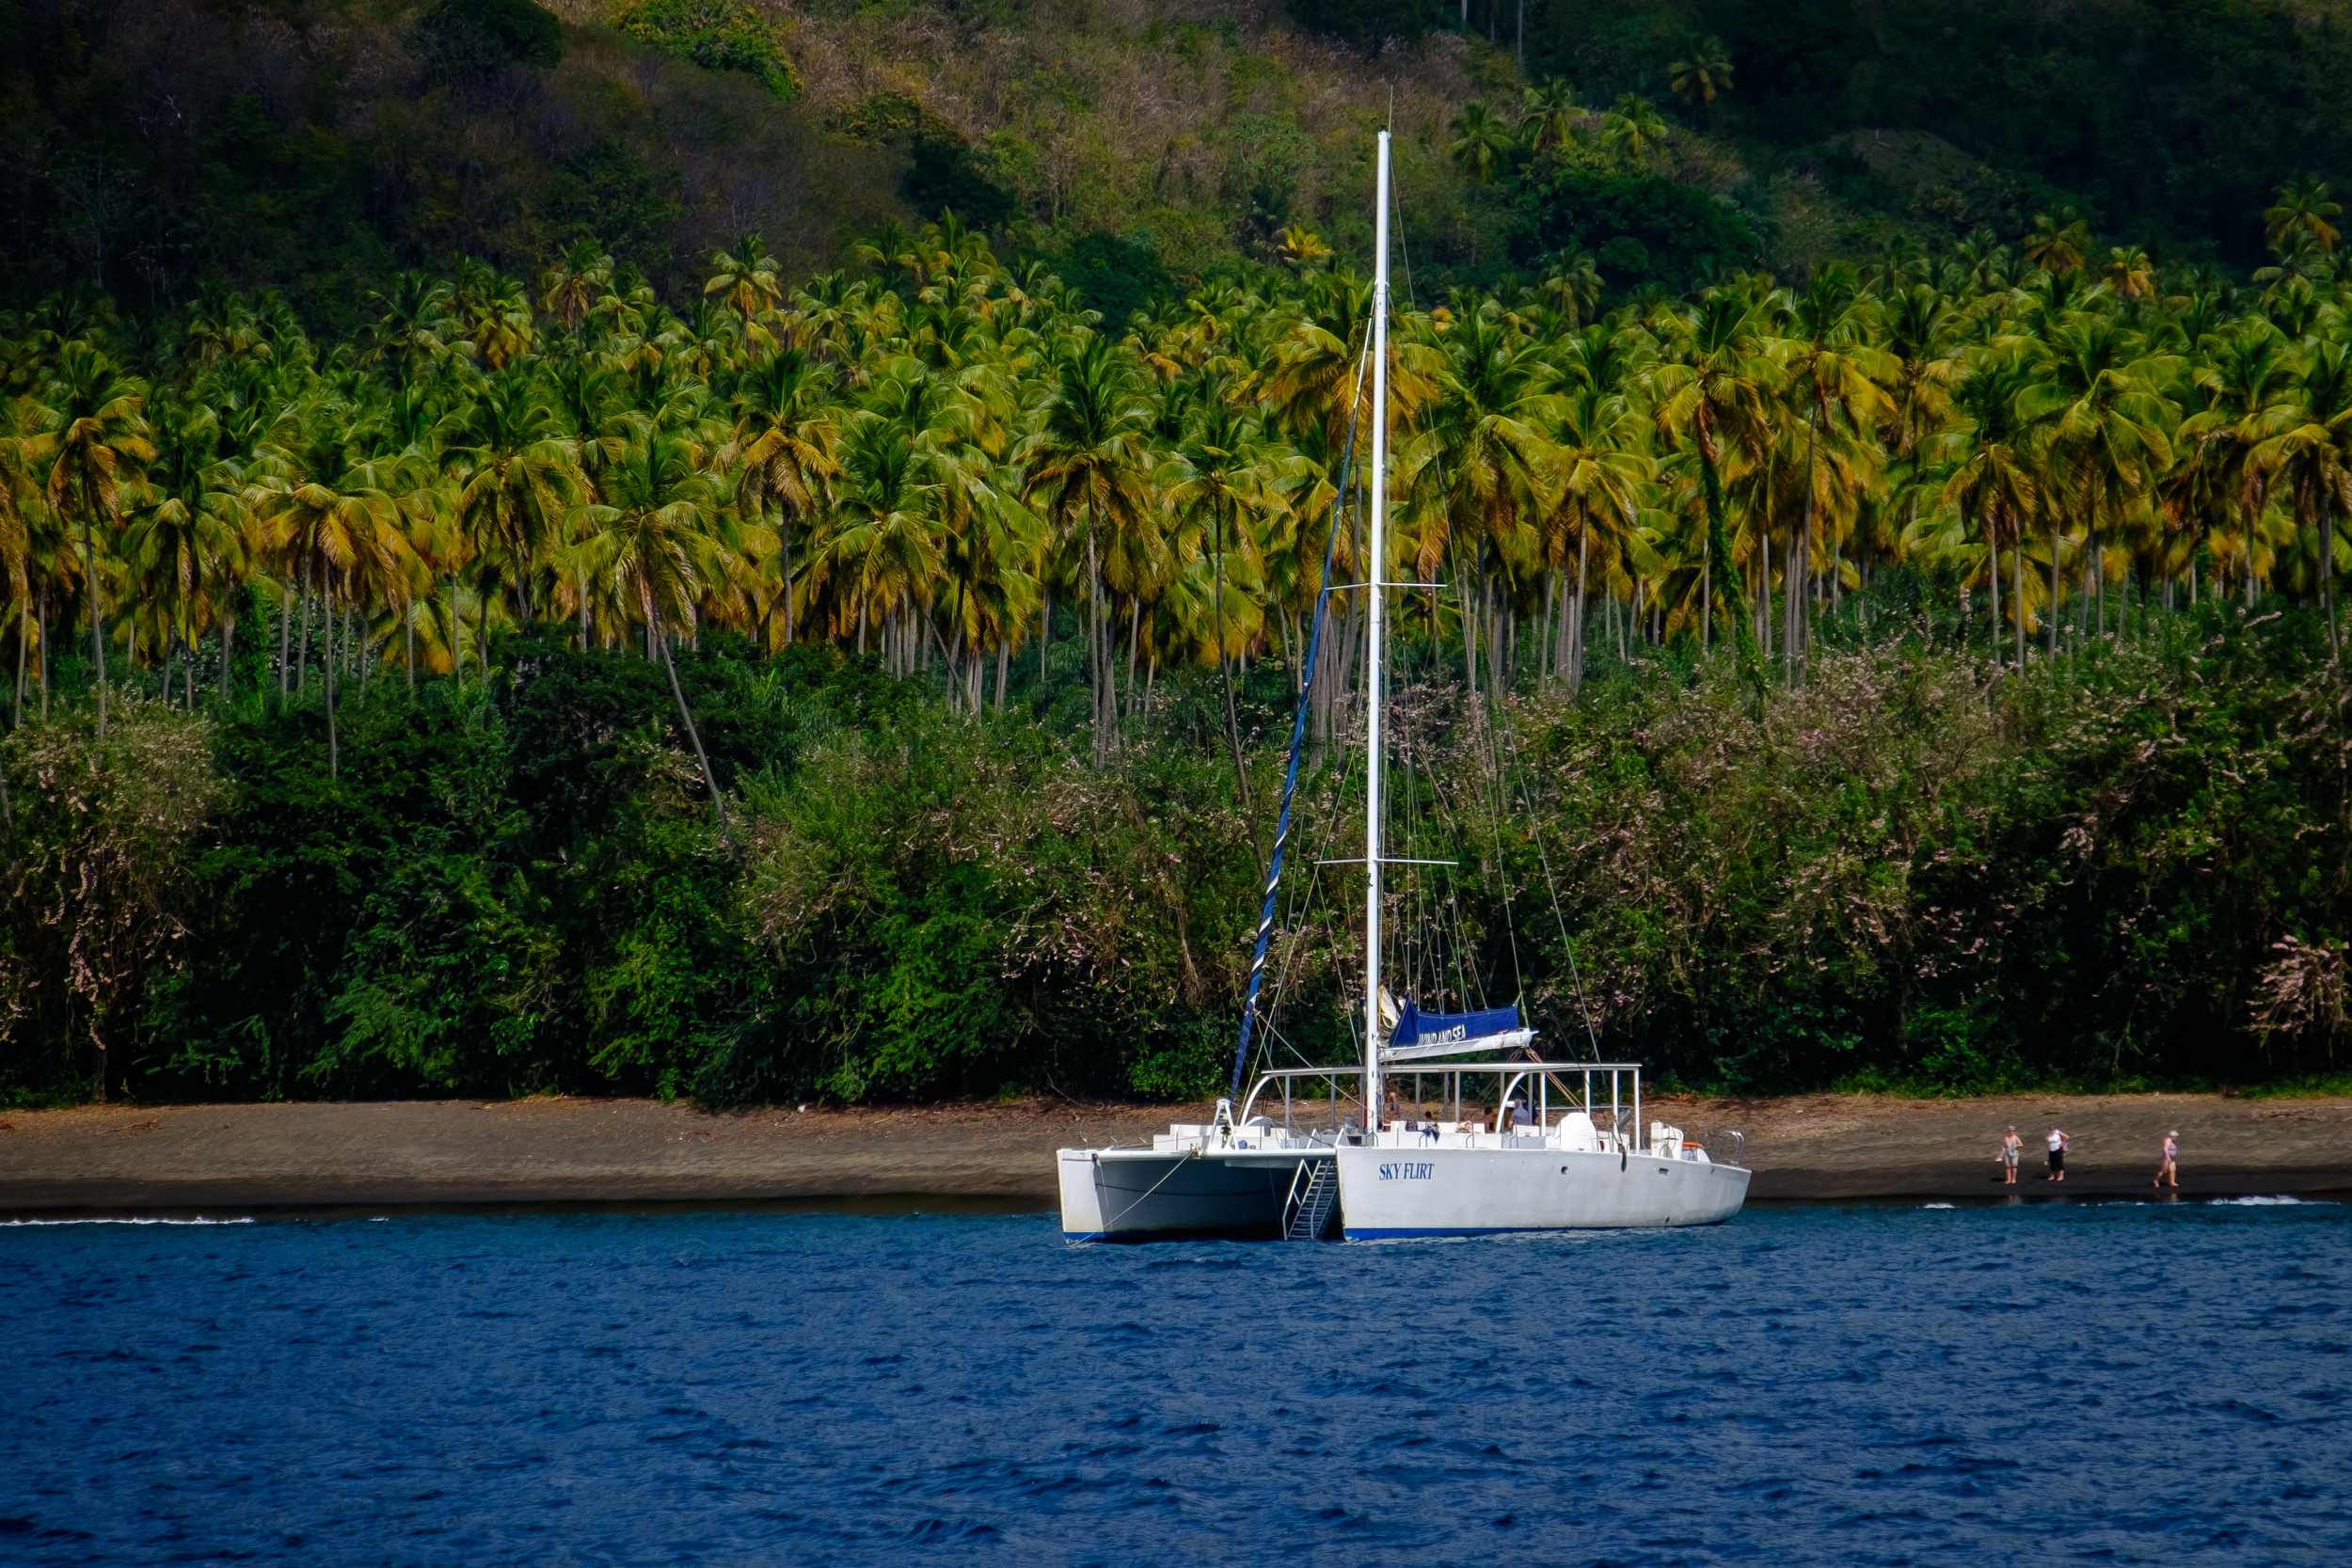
[(2123, 866)]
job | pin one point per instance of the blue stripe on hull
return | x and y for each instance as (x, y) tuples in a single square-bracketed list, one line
[(1356, 1235)]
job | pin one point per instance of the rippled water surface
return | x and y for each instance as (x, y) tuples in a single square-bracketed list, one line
[(2110, 1383)]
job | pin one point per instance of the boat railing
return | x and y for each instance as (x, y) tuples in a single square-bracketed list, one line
[(1617, 1086)]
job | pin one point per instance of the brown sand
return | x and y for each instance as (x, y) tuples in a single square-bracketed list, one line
[(119, 1158)]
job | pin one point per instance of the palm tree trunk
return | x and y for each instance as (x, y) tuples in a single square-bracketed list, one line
[(785, 544), (1135, 632), (44, 652), (1470, 638), (334, 756), (1576, 648), (228, 653), (1097, 647), (956, 659), (302, 654), (23, 641), (1003, 668), (2050, 620), (711, 780), (2327, 572), (1993, 581), (1225, 677), (1801, 550), (1707, 594), (2017, 580), (1045, 633), (98, 642), (1548, 648)]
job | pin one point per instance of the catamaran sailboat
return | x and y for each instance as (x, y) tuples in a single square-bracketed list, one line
[(1565, 1149)]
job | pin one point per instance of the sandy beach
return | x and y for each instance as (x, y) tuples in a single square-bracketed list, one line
[(565, 1150)]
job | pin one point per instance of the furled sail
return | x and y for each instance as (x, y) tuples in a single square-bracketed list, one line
[(1419, 1035)]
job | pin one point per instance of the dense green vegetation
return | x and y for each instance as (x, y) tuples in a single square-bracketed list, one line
[(657, 655), (875, 687)]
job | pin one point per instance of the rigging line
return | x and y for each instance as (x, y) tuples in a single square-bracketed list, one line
[(1300, 917), (1502, 892), (1535, 829), (1339, 779), (1452, 903), (1298, 730)]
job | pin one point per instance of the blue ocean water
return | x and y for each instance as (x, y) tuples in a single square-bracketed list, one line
[(2105, 1383)]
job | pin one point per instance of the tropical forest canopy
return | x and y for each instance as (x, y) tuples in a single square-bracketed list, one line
[(764, 672)]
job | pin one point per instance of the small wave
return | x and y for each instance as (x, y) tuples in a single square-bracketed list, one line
[(2262, 1202), (1939, 1206), (198, 1220)]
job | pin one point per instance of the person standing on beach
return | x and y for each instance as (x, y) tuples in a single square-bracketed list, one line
[(2167, 1168), (2011, 1147), (2059, 1141)]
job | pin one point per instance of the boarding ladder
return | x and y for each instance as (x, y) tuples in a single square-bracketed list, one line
[(1315, 1187)]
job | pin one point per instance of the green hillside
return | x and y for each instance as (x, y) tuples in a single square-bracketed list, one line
[(314, 146)]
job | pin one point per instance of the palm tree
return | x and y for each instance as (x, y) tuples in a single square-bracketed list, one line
[(786, 432), (661, 535), (2216, 492), (2058, 244), (414, 327), (1088, 463), (1700, 74), (2005, 408), (187, 536), (516, 474), (1222, 471), (571, 288), (2111, 436), (1572, 288), (2130, 274), (98, 437), (332, 511), (879, 555), (1834, 371), (2303, 207), (1481, 469), (1482, 143), (1601, 465), (2312, 451), (1633, 126), (1713, 385), (1550, 115), (744, 279)]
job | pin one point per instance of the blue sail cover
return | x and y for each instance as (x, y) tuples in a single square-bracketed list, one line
[(1415, 1028)]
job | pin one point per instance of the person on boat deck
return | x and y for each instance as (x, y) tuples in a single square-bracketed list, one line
[(1519, 1116)]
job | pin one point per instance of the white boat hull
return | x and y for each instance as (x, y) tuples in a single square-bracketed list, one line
[(1396, 1192), (1117, 1194)]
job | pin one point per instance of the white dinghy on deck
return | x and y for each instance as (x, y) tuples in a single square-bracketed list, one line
[(1545, 1164)]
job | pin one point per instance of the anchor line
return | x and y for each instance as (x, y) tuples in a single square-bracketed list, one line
[(1155, 1187), (1298, 731)]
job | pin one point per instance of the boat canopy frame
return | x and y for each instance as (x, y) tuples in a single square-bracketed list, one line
[(1547, 1075)]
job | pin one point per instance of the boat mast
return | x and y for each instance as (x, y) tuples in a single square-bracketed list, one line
[(1373, 565)]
